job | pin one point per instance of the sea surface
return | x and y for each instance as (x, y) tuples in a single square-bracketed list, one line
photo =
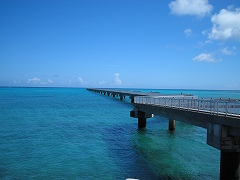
[(72, 133)]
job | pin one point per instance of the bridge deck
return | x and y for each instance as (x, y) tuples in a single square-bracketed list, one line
[(125, 92), (227, 107), (216, 107), (220, 117)]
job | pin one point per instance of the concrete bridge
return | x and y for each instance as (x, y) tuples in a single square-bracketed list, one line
[(123, 93), (221, 118)]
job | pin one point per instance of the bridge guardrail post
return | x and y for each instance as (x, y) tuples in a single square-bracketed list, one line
[(214, 107), (236, 109), (211, 106), (198, 105), (226, 109)]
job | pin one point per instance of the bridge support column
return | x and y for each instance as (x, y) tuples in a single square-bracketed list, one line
[(121, 97), (230, 165), (218, 136), (142, 117), (132, 99), (171, 125), (142, 120)]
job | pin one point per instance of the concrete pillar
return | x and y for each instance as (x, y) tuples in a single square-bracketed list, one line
[(132, 99), (121, 97), (142, 117), (113, 95), (142, 120), (171, 125), (230, 165)]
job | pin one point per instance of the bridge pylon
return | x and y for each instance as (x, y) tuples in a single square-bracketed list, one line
[(142, 117)]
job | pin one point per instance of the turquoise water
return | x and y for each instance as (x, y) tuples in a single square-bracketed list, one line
[(71, 133)]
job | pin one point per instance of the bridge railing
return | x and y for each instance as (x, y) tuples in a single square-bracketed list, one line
[(212, 106)]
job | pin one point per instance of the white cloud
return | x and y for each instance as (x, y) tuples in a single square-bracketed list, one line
[(208, 41), (227, 51), (17, 82), (204, 57), (102, 83), (117, 80), (50, 81), (199, 8), (204, 32), (82, 82), (188, 32), (34, 80), (226, 25)]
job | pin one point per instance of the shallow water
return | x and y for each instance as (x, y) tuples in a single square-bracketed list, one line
[(71, 133)]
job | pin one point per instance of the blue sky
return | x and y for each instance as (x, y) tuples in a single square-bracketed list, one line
[(186, 44)]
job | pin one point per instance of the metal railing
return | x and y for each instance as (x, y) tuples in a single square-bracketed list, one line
[(226, 107)]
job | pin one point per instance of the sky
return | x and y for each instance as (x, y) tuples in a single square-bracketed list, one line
[(160, 44)]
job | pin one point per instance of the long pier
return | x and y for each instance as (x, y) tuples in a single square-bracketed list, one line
[(221, 118), (123, 93)]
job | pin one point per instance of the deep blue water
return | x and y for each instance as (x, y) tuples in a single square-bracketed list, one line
[(71, 133)]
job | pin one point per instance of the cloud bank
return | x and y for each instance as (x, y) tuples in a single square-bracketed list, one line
[(227, 51), (226, 25), (82, 82), (204, 57), (101, 83), (188, 32), (117, 80), (198, 8), (34, 80)]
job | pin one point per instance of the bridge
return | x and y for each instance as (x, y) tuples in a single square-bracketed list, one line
[(123, 93), (221, 118)]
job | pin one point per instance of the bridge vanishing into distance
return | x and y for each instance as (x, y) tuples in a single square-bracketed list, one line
[(221, 118)]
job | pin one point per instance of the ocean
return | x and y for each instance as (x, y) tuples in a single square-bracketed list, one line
[(72, 133)]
